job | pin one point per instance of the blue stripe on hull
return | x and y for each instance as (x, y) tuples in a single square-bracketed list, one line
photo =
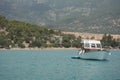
[(100, 55)]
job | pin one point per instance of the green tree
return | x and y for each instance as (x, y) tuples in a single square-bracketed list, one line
[(36, 43), (114, 43), (77, 42), (108, 40), (21, 45), (4, 41), (66, 41), (3, 22)]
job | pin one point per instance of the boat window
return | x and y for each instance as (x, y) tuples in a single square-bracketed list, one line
[(92, 45), (98, 45), (87, 45)]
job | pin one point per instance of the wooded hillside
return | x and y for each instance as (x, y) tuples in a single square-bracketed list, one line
[(17, 34)]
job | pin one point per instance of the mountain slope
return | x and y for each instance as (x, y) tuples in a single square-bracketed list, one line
[(97, 16)]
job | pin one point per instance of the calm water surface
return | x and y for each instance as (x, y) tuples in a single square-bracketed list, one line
[(56, 65)]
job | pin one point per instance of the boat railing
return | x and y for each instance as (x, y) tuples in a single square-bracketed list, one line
[(81, 51)]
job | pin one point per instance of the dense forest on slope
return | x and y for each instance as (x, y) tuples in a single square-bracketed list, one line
[(20, 34), (95, 16), (17, 34)]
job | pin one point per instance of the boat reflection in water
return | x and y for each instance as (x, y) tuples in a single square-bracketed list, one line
[(92, 50)]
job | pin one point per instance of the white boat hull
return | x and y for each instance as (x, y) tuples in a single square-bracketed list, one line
[(97, 55)]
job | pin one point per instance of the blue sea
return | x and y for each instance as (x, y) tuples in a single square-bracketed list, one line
[(56, 65)]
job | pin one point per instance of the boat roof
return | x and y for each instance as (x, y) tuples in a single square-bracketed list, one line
[(91, 41)]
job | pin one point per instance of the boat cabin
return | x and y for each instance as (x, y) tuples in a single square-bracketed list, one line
[(91, 45)]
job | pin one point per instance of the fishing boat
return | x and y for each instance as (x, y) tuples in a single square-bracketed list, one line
[(92, 49)]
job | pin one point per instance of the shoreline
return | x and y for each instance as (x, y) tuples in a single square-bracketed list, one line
[(71, 48), (40, 49)]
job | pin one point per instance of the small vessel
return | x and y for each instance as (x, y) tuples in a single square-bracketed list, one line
[(76, 57), (92, 49)]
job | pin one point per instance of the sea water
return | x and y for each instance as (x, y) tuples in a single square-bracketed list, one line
[(56, 65)]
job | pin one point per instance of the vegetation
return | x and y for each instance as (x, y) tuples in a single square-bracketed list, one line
[(20, 34), (24, 35), (108, 41)]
